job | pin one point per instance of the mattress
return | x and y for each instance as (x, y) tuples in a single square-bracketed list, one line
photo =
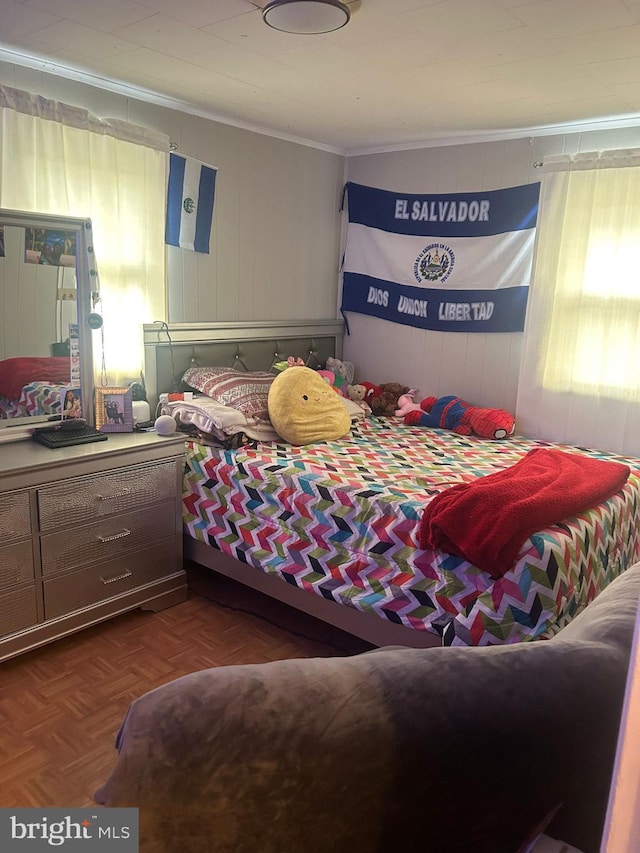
[(341, 520)]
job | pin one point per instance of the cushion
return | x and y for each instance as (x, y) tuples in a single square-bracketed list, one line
[(304, 409), (242, 390), (481, 742)]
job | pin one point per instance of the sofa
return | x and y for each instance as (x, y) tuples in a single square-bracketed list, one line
[(444, 749)]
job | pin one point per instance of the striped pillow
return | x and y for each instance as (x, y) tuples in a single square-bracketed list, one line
[(242, 390)]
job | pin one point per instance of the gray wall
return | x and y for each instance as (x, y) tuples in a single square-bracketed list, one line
[(31, 317), (276, 240), (276, 234), (482, 368)]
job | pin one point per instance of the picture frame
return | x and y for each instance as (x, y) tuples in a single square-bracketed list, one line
[(114, 409), (49, 247), (71, 402)]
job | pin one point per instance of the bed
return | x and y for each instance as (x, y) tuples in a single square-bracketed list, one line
[(32, 386), (334, 528)]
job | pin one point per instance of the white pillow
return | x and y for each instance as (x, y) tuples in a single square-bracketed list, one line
[(212, 417)]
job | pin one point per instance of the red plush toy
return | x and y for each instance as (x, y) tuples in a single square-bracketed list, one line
[(371, 391), (461, 417)]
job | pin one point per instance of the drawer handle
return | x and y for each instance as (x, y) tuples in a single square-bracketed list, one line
[(121, 577), (115, 536), (121, 494)]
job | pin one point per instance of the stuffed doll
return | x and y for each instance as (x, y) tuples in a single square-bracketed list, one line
[(386, 402), (407, 404), (337, 382), (383, 399), (343, 369), (455, 414), (370, 391), (357, 393), (304, 409), (290, 362)]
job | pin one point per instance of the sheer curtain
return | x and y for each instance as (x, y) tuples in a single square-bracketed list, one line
[(60, 159), (580, 372)]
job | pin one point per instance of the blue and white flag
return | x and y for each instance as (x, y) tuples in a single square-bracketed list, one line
[(190, 196), (459, 262)]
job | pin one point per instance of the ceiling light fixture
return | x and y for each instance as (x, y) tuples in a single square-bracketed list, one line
[(306, 17)]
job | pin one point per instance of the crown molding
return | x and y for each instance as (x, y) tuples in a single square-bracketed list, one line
[(470, 137), (50, 66), (139, 93)]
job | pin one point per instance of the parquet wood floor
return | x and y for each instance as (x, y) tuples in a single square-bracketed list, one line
[(61, 705)]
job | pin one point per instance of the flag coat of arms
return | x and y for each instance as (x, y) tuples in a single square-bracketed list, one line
[(190, 198), (457, 262)]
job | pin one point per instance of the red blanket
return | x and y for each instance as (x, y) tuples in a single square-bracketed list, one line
[(16, 372), (487, 521)]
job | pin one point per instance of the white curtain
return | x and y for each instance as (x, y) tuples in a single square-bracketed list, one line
[(60, 159), (580, 372)]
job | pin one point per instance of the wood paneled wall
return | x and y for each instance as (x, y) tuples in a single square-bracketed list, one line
[(275, 241), (31, 318), (276, 232), (482, 368)]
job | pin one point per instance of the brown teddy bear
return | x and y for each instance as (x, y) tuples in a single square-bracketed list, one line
[(383, 399)]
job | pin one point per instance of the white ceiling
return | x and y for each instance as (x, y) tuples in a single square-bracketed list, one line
[(402, 73)]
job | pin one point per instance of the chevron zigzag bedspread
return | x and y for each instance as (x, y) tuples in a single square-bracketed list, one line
[(341, 520), (36, 398)]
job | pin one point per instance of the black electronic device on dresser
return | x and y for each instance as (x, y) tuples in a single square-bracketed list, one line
[(67, 432)]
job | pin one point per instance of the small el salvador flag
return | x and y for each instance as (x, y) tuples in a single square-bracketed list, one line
[(190, 196)]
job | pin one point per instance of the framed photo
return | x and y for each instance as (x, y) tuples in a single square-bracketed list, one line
[(71, 402), (50, 248), (114, 410)]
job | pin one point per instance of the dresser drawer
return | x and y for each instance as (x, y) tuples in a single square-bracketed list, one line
[(16, 564), (18, 610), (106, 539), (85, 499), (84, 587), (15, 517)]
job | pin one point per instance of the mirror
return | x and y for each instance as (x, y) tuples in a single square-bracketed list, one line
[(48, 290)]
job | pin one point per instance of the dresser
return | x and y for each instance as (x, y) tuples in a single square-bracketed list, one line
[(87, 532)]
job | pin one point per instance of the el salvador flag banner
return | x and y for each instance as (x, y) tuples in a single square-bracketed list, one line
[(190, 196), (459, 262)]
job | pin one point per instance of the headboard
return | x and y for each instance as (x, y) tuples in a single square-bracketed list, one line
[(170, 348)]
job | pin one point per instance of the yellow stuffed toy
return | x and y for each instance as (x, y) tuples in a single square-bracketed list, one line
[(304, 409)]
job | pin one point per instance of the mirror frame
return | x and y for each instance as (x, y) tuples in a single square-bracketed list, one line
[(87, 284)]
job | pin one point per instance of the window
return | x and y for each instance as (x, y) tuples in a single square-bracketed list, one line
[(582, 336), (56, 158)]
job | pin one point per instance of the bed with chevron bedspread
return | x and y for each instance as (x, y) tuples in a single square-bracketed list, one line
[(36, 398), (342, 520), (31, 385)]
